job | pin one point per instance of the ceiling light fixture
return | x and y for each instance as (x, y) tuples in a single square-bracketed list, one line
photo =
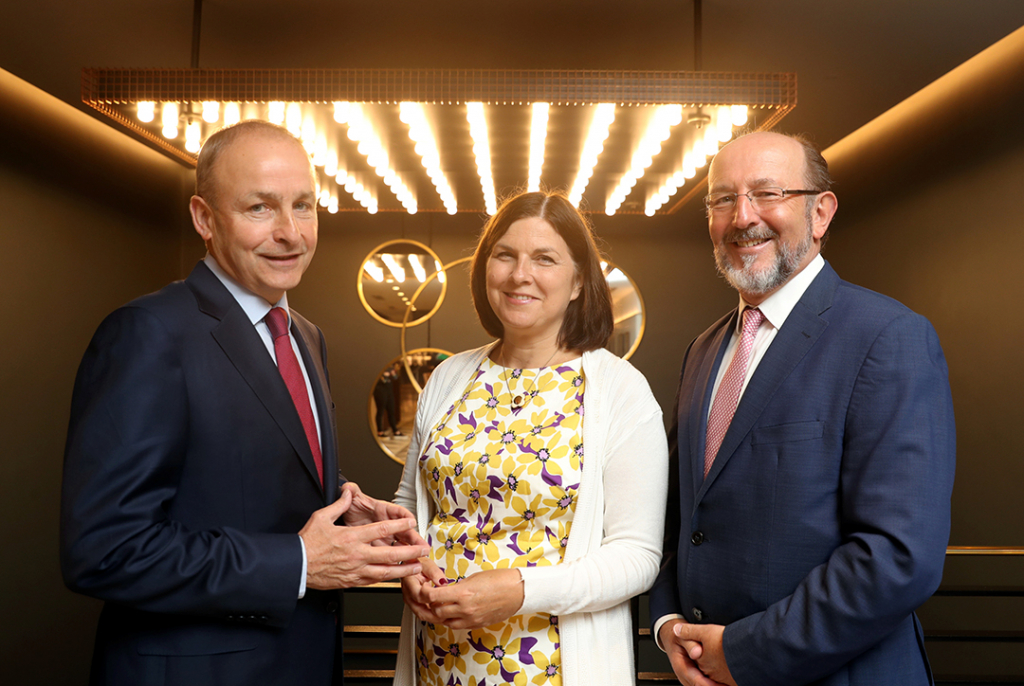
[(481, 133)]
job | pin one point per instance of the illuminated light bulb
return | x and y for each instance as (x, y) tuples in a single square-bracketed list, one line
[(232, 113), (538, 134), (146, 110), (397, 270), (724, 121), (374, 271), (739, 115), (331, 163), (325, 198), (211, 111), (193, 136), (332, 207), (418, 270), (169, 120), (320, 152), (481, 149), (372, 209), (342, 112), (293, 119), (275, 112)]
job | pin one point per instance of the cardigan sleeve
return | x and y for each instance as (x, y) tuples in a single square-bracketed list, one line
[(631, 515)]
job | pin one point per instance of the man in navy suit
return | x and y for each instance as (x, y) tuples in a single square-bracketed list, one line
[(797, 551), (198, 500)]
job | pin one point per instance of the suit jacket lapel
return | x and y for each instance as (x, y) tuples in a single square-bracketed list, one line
[(701, 400), (242, 345), (802, 328)]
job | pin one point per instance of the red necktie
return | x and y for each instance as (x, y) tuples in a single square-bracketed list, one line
[(288, 365), (728, 396)]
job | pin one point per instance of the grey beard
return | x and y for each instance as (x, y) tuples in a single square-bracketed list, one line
[(745, 280)]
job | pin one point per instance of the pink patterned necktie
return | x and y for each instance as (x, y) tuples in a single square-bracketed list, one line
[(728, 395), (288, 365)]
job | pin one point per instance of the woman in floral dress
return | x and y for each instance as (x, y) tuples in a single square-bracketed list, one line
[(537, 472)]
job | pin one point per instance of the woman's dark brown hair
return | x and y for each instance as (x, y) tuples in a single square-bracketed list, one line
[(588, 320)]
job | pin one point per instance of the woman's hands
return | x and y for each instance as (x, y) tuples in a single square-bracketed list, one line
[(479, 600), (415, 588)]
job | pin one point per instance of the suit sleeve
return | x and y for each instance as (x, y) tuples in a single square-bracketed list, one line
[(664, 596), (895, 487), (125, 454)]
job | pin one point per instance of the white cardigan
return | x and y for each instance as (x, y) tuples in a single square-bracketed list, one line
[(614, 548)]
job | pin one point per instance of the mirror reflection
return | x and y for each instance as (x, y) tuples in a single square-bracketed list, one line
[(390, 275), (628, 310), (392, 406)]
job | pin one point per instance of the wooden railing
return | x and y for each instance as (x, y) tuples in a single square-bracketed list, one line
[(371, 641)]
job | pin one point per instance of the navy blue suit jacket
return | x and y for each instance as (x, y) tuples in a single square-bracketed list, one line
[(823, 522), (187, 477)]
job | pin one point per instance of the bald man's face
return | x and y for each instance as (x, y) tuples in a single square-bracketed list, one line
[(263, 231)]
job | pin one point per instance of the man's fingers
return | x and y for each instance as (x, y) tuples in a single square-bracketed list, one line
[(338, 507), (388, 572), (351, 488), (382, 530)]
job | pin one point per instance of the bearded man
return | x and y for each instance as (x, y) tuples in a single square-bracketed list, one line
[(814, 445)]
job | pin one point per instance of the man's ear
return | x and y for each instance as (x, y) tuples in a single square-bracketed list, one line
[(202, 217), (825, 208)]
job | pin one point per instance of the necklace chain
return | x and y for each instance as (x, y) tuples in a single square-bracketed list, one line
[(519, 401)]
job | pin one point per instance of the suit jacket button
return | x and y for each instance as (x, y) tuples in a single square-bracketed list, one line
[(332, 606), (697, 614), (697, 537)]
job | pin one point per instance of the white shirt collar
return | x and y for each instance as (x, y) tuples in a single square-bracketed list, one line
[(254, 306), (777, 306)]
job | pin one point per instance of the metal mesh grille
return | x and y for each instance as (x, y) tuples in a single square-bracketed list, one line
[(441, 86)]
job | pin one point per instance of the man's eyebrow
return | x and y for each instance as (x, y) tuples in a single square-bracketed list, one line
[(277, 197), (756, 183)]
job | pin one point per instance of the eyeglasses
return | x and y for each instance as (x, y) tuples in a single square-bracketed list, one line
[(760, 198)]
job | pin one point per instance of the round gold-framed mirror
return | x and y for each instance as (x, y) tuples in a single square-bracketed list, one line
[(628, 311), (391, 409), (389, 275)]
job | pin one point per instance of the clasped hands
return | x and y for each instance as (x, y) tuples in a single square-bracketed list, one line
[(376, 543), (695, 651), (479, 600)]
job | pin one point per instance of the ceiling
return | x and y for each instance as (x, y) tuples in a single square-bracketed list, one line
[(853, 60)]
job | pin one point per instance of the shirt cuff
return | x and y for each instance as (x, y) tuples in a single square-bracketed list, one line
[(302, 582), (657, 628)]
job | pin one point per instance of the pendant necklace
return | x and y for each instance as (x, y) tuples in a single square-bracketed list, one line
[(519, 401)]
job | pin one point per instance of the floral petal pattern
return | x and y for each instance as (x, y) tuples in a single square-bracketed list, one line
[(504, 483)]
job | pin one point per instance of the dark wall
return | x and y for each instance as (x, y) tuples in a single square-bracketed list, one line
[(90, 220), (946, 240)]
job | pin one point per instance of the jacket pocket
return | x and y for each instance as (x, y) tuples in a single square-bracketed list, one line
[(197, 640), (785, 433)]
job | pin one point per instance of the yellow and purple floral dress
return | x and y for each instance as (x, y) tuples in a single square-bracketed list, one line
[(503, 481)]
